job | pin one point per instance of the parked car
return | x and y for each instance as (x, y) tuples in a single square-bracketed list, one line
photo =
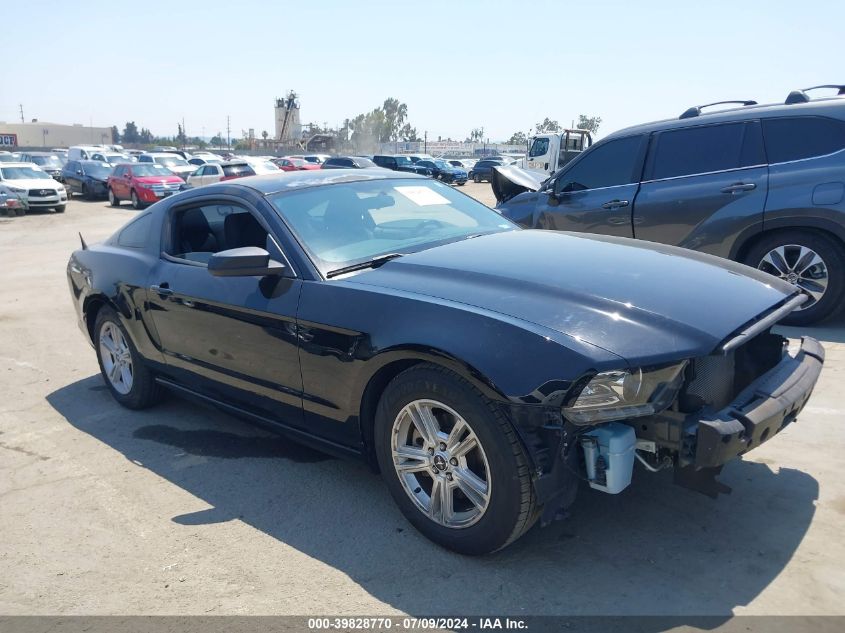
[(217, 172), (142, 183), (424, 334), (483, 169), (442, 170), (294, 164), (348, 162), (415, 158), (112, 158), (84, 152), (11, 203), (204, 159), (319, 159), (61, 153), (88, 177), (461, 163), (35, 186), (757, 184), (174, 163), (399, 163), (47, 161), (8, 157)]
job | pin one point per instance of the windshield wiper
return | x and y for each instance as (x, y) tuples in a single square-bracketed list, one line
[(375, 262)]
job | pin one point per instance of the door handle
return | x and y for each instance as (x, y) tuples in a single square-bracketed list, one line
[(615, 204), (739, 187), (163, 290)]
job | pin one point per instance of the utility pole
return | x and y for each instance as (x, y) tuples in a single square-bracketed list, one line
[(184, 134), (228, 134), (20, 105), (425, 142)]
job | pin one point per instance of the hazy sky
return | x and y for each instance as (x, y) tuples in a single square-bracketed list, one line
[(457, 64)]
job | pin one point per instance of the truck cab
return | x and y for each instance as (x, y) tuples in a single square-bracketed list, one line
[(549, 152)]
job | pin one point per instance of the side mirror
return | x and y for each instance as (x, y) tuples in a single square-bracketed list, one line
[(79, 172), (247, 261)]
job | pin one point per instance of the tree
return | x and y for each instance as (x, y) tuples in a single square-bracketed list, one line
[(217, 140), (115, 135), (181, 139), (590, 123), (130, 133), (518, 138), (408, 133), (395, 114), (264, 135), (547, 125), (476, 135), (145, 137)]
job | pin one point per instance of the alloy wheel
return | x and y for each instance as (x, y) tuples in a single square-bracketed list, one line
[(800, 266), (440, 463), (116, 357)]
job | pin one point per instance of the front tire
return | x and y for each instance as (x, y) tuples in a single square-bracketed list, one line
[(113, 199), (136, 203), (453, 462), (812, 262), (476, 178), (60, 209), (128, 379)]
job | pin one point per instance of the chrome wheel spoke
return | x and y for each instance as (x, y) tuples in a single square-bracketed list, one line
[(441, 508), (466, 447), (813, 288), (409, 459), (806, 259), (425, 422), (459, 429), (775, 259), (108, 343), (114, 374), (472, 486)]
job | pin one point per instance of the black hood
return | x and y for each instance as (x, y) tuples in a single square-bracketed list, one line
[(646, 302)]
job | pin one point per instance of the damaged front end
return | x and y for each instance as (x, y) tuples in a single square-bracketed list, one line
[(721, 406), (509, 181)]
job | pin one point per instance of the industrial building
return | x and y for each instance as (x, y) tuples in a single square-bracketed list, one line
[(43, 134)]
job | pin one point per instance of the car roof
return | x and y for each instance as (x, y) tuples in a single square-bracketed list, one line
[(291, 180), (155, 154), (830, 106), (22, 163)]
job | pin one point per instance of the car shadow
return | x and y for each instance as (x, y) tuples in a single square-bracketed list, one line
[(656, 549)]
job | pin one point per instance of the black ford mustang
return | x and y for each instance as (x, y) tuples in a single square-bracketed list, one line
[(484, 369)]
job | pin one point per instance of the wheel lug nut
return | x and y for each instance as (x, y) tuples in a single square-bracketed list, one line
[(442, 446), (431, 451), (449, 476), (453, 461), (434, 470)]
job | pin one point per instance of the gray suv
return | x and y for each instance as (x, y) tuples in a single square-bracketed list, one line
[(759, 184)]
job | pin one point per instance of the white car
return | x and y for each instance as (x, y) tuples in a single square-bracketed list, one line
[(261, 165), (34, 185), (215, 172), (112, 158), (11, 203), (173, 162)]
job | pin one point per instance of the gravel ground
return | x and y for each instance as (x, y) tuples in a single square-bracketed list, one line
[(184, 510)]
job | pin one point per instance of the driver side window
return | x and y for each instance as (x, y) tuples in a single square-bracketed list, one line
[(539, 147), (196, 233), (612, 163)]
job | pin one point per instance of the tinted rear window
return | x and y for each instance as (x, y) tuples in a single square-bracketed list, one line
[(795, 138), (698, 150), (238, 170), (135, 234)]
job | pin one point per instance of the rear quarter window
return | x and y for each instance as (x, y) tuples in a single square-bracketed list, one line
[(698, 150), (136, 233), (796, 138)]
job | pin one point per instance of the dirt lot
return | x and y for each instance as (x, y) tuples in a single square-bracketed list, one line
[(184, 510)]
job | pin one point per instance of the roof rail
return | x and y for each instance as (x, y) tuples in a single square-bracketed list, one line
[(801, 96), (696, 110)]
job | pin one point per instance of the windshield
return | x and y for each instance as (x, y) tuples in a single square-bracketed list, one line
[(442, 164), (344, 224), (97, 170), (7, 158), (312, 159), (115, 159), (403, 160), (363, 163), (170, 161), (50, 162), (21, 173), (149, 169)]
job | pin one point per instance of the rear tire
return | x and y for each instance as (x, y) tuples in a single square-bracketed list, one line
[(86, 195), (476, 178), (785, 253), (140, 389), (500, 505), (113, 199)]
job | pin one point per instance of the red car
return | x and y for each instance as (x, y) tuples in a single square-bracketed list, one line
[(142, 184), (293, 164)]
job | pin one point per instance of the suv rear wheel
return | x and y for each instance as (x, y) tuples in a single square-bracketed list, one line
[(113, 199), (810, 261)]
